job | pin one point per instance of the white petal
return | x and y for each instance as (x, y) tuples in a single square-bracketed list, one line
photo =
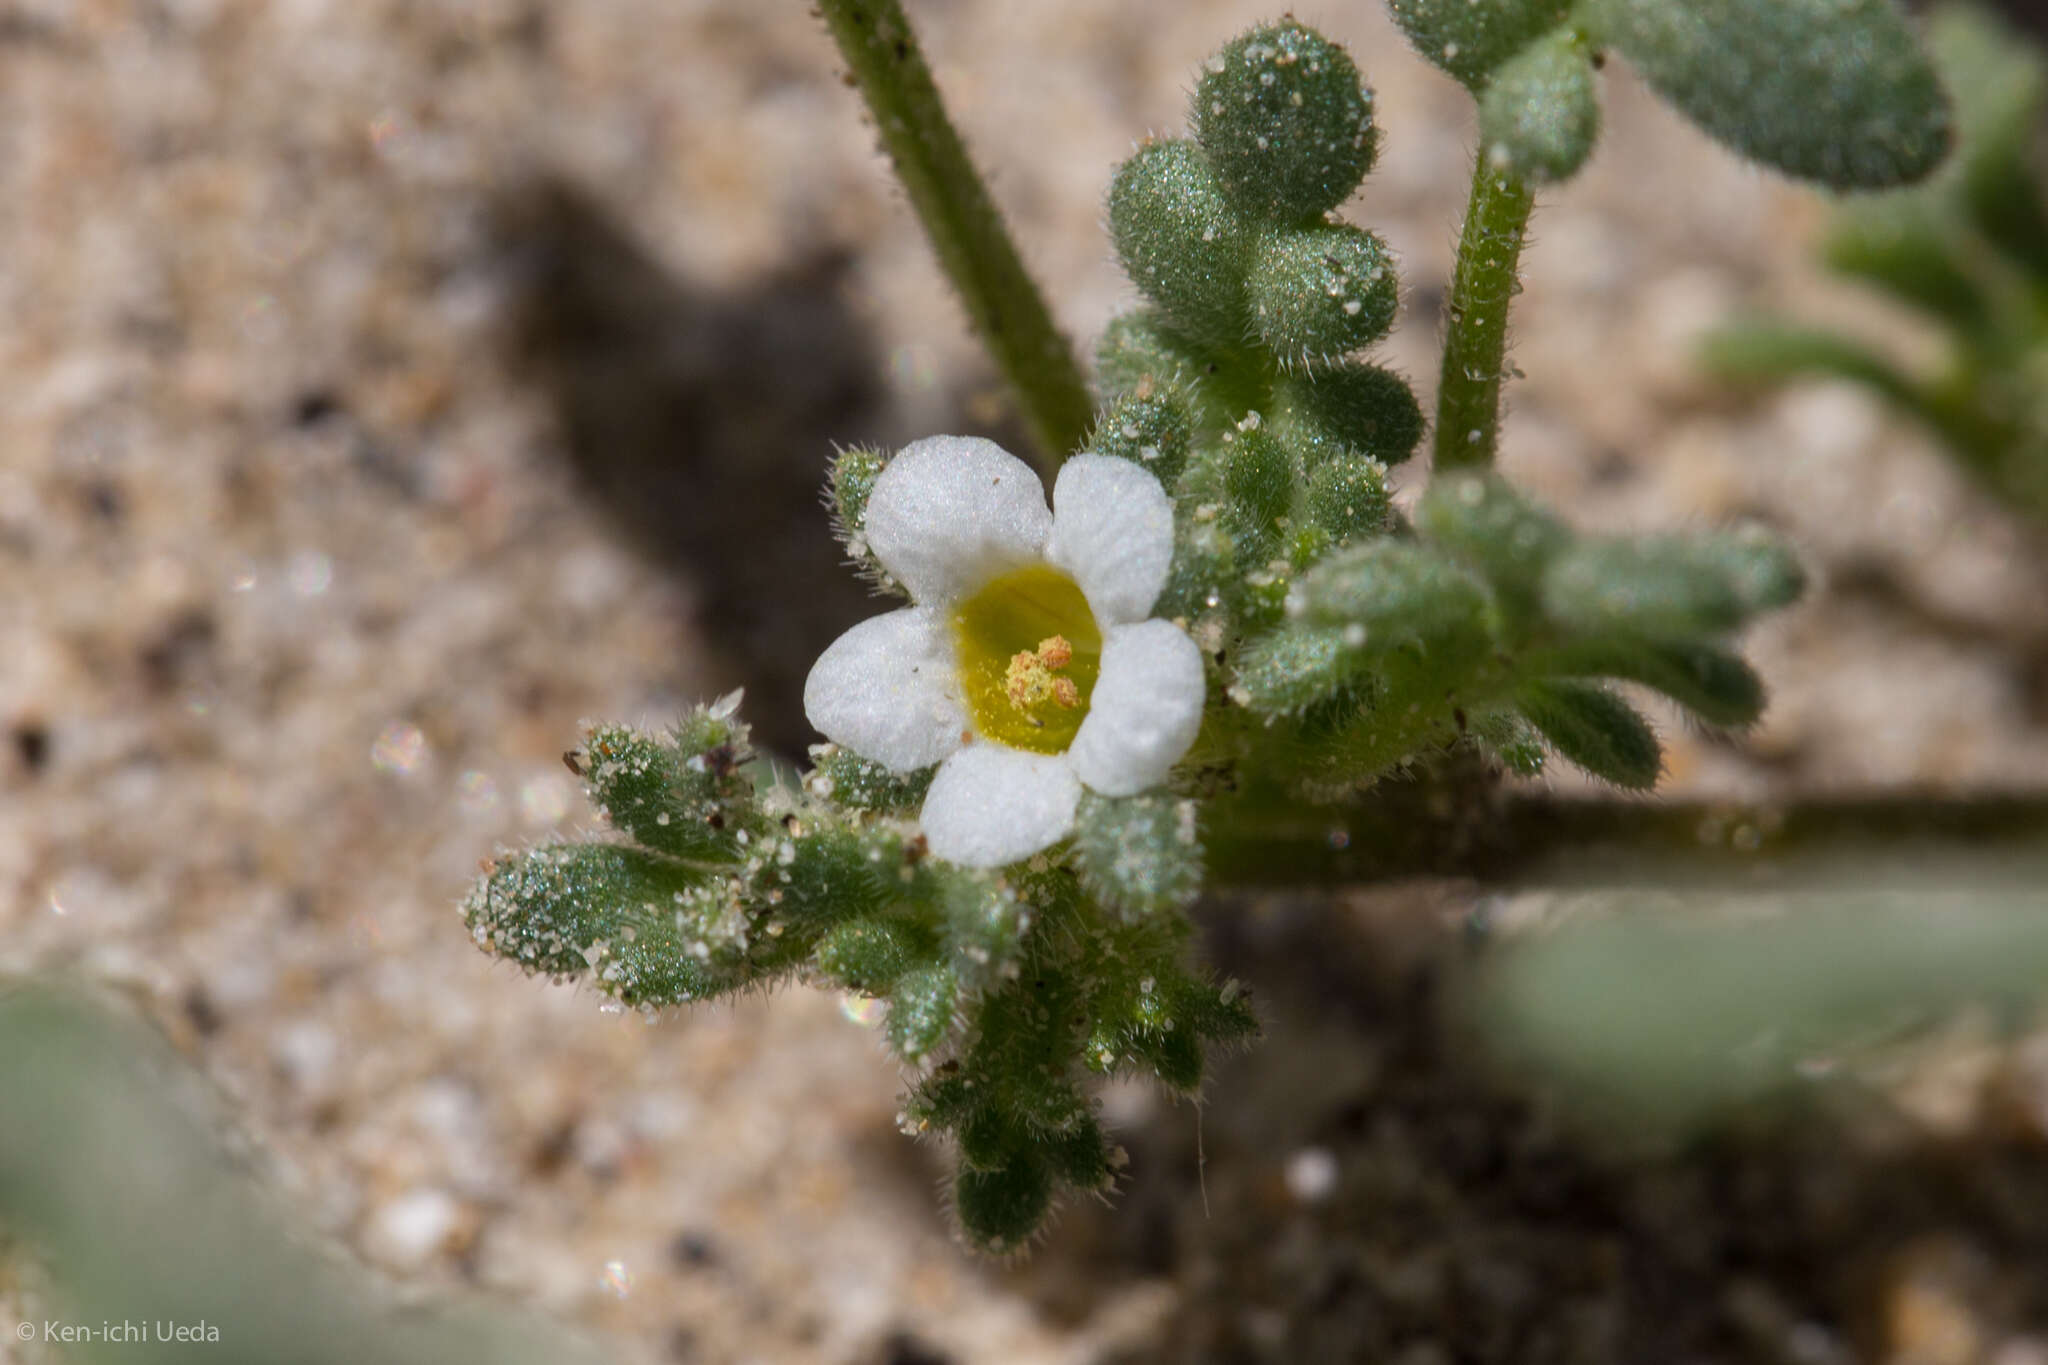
[(1112, 529), (951, 512), (991, 805), (885, 690), (1145, 710)]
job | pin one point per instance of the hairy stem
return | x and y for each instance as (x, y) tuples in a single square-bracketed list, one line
[(1475, 342), (965, 228)]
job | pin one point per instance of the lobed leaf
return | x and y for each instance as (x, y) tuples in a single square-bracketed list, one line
[(1472, 38), (1835, 91)]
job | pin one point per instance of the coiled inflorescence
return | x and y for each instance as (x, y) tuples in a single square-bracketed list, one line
[(1336, 637), (1348, 640)]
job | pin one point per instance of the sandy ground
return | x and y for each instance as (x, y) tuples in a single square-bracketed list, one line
[(388, 387)]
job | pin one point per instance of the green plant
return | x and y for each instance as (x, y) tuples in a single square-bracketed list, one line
[(1968, 251), (1223, 618)]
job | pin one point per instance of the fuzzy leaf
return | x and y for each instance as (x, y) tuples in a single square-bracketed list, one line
[(1595, 729), (871, 955), (598, 910), (1640, 587), (921, 1011), (985, 923), (1081, 1155), (1761, 569), (1001, 1209), (1512, 740), (848, 487), (1142, 349), (1712, 683), (684, 795), (1293, 668), (1836, 91), (1390, 595), (1286, 122), (855, 783), (1483, 521), (830, 874)]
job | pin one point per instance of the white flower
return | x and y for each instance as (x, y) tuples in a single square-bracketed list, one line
[(1026, 665)]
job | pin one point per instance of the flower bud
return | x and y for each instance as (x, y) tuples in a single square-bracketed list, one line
[(1179, 240), (1319, 293), (1540, 114), (1286, 122)]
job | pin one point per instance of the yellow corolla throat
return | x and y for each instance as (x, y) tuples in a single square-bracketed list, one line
[(1028, 650)]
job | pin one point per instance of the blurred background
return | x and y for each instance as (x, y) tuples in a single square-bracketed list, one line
[(386, 388)]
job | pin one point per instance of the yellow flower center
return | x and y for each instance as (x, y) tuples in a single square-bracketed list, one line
[(1028, 651)]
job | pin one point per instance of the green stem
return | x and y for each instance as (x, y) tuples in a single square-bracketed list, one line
[(1475, 342), (965, 228), (1416, 828)]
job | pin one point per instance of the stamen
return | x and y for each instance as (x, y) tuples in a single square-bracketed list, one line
[(1031, 681)]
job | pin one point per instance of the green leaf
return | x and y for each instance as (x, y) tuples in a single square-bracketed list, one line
[(1512, 740), (1760, 568), (1540, 114), (1286, 122), (1140, 854), (1651, 586), (1150, 426), (1388, 595), (1909, 245), (1080, 1155), (1471, 38), (1347, 497), (984, 923), (1595, 729), (1293, 668), (1141, 349), (859, 784), (2000, 81), (684, 794), (1180, 241), (1485, 522), (1357, 408), (1712, 683), (1836, 91), (1001, 1209), (1356, 611), (1319, 293), (871, 955), (614, 914), (848, 488), (830, 874), (921, 1011), (1669, 587), (1258, 489), (1762, 352)]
